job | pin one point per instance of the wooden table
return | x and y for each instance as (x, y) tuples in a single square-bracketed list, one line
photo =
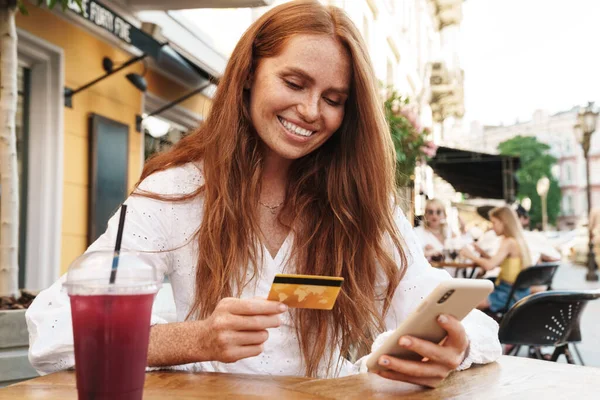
[(458, 265), (509, 378)]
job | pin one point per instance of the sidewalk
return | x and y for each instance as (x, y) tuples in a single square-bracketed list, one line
[(572, 277)]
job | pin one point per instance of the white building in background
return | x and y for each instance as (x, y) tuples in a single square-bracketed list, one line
[(556, 130), (413, 45)]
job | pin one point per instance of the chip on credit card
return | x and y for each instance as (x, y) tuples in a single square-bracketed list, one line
[(306, 291)]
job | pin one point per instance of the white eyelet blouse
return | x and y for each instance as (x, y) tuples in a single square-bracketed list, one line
[(153, 225)]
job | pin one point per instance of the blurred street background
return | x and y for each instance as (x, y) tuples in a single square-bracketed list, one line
[(498, 95)]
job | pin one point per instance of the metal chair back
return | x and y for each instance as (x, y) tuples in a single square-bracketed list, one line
[(536, 275), (549, 318)]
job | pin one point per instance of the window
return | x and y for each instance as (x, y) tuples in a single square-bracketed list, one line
[(160, 134), (568, 146), (594, 172), (583, 202), (40, 135), (22, 130), (109, 158), (167, 128), (22, 136), (569, 205), (569, 179)]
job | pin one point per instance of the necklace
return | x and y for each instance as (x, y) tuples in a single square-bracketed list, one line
[(272, 209)]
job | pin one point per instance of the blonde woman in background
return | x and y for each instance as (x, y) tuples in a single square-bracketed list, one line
[(433, 232), (512, 257)]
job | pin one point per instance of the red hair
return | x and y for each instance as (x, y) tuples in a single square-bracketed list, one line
[(338, 201)]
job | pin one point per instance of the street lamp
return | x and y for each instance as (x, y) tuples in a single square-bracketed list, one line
[(586, 125), (542, 187), (526, 203)]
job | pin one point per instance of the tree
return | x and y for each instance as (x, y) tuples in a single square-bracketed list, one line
[(536, 162), (9, 182)]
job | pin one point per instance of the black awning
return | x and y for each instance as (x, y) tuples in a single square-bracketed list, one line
[(484, 175)]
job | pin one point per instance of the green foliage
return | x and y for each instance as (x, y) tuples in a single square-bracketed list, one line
[(409, 139), (535, 164), (49, 3)]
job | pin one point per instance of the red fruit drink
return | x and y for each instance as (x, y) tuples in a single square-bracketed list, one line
[(111, 333)]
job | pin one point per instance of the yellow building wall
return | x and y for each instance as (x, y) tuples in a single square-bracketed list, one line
[(113, 98)]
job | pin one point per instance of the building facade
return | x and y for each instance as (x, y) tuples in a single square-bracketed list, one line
[(413, 45)]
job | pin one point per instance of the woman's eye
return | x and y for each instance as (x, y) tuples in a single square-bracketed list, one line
[(292, 85), (332, 102)]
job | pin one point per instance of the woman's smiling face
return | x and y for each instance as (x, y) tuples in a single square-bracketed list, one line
[(297, 99)]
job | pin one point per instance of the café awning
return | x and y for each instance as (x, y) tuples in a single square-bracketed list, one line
[(490, 176)]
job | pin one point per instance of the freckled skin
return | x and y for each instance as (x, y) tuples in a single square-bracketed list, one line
[(306, 101), (300, 85)]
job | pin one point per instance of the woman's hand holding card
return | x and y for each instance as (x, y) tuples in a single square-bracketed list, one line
[(237, 328)]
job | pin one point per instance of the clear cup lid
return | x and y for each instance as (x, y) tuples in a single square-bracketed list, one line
[(90, 274)]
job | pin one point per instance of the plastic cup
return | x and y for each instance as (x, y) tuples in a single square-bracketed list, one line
[(111, 323)]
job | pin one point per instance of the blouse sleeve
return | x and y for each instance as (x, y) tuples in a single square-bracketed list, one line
[(147, 229), (419, 280), (418, 232)]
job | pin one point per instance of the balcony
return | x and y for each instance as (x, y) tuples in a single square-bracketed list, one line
[(147, 5), (448, 12), (447, 93)]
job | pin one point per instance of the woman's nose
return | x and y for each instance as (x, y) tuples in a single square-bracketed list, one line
[(309, 108)]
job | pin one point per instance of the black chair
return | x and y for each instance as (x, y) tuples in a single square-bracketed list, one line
[(546, 319), (536, 275)]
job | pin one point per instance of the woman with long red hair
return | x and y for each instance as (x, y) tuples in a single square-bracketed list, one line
[(292, 171)]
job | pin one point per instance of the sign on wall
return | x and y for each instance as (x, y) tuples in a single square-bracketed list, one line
[(105, 18)]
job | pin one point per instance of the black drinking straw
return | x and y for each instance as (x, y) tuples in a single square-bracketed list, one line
[(115, 263)]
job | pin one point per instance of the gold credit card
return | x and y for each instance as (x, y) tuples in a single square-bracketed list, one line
[(306, 291)]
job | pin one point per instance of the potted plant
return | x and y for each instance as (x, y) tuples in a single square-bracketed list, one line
[(411, 142)]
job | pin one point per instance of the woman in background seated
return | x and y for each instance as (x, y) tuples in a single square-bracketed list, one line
[(512, 257), (432, 233)]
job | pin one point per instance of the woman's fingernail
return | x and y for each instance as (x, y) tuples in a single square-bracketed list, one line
[(384, 361), (283, 307), (443, 319), (404, 342)]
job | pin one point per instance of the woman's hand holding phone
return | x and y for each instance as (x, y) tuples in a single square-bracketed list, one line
[(431, 341), (439, 360)]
